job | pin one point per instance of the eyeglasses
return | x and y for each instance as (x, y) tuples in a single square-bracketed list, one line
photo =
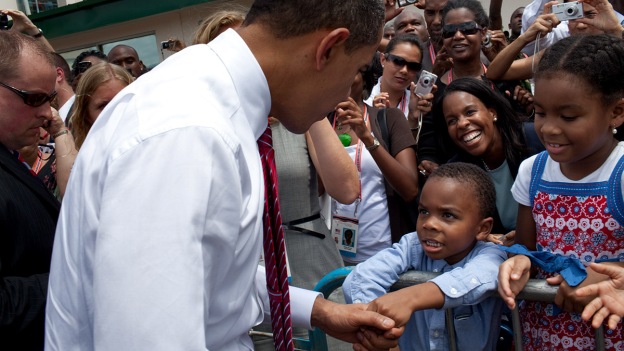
[(466, 28), (401, 62), (30, 98), (83, 66)]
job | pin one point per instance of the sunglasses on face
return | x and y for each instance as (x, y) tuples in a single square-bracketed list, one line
[(30, 98), (83, 66), (401, 62), (466, 28)]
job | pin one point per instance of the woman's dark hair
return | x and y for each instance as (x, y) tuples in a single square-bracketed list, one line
[(474, 6), (597, 60), (81, 57), (405, 38), (508, 123)]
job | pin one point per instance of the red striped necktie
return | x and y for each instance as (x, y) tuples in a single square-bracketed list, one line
[(274, 249)]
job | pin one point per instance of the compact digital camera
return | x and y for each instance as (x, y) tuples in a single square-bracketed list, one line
[(4, 21), (487, 41), (407, 2), (425, 83), (568, 11)]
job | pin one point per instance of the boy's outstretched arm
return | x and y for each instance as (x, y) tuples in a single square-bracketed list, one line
[(401, 304), (513, 275)]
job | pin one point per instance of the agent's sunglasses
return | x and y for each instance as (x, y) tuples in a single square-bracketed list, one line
[(401, 62), (466, 28), (30, 98), (83, 66)]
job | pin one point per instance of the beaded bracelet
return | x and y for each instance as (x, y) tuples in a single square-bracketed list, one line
[(62, 132)]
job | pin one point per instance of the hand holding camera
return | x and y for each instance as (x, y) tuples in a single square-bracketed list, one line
[(605, 18)]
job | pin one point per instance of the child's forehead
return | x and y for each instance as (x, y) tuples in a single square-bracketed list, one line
[(453, 189)]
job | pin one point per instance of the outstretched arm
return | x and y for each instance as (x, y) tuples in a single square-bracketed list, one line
[(505, 66)]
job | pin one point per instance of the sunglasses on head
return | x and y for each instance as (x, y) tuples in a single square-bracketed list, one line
[(83, 66), (466, 28), (30, 98), (401, 62)]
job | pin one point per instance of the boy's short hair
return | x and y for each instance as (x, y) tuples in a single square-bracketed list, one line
[(291, 18), (475, 178)]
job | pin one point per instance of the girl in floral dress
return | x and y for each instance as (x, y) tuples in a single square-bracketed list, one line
[(570, 197)]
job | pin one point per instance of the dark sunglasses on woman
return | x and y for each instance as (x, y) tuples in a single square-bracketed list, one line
[(30, 98), (401, 62), (466, 28)]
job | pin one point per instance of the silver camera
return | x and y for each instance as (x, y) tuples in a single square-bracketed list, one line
[(425, 83), (407, 2), (568, 11)]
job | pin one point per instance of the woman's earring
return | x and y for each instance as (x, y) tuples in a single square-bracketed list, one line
[(614, 131), (495, 119)]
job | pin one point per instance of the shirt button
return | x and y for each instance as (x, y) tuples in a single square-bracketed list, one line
[(453, 291), (435, 270), (474, 281), (436, 334)]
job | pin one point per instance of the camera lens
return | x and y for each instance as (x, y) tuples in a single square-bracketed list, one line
[(426, 81), (571, 11)]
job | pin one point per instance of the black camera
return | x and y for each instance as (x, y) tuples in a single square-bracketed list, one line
[(4, 21), (166, 44)]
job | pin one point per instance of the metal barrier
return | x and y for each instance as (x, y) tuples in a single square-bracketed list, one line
[(535, 290)]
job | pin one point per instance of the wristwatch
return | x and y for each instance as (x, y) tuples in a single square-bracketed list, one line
[(374, 146)]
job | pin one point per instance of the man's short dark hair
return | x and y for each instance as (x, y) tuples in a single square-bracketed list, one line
[(60, 62), (11, 46), (290, 18), (474, 178)]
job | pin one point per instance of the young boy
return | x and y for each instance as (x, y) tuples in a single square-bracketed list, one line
[(455, 215)]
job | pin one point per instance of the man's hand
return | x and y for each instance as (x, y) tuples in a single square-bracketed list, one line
[(391, 10), (353, 323)]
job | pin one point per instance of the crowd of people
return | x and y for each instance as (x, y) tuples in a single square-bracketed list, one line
[(185, 225)]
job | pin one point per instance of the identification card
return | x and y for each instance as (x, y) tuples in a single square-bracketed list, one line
[(345, 234)]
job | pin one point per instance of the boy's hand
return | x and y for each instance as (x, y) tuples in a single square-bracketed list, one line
[(513, 275), (399, 305), (566, 297), (349, 322)]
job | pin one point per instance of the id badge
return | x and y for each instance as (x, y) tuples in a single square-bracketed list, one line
[(345, 234)]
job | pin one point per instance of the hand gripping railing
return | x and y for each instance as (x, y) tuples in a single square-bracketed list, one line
[(535, 290)]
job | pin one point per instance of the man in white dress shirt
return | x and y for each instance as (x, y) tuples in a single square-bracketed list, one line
[(160, 233)]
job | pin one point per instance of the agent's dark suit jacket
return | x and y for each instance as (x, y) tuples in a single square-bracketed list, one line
[(28, 216)]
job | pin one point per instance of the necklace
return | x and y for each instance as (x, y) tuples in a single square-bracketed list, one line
[(485, 166)]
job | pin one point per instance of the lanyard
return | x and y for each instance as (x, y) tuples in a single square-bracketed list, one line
[(39, 164), (432, 53), (358, 163), (403, 102)]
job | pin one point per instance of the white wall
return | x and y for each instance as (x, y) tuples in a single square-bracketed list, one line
[(8, 4)]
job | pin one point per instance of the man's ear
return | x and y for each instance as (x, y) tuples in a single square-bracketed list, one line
[(60, 75), (485, 227), (331, 40)]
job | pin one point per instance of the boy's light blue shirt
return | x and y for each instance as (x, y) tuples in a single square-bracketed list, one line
[(468, 286)]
